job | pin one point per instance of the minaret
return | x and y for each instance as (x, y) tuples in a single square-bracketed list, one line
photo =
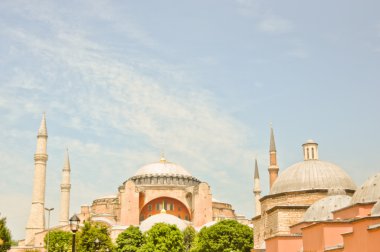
[(273, 167), (65, 192), (36, 222), (256, 190)]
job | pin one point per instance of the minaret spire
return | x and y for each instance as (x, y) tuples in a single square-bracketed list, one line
[(36, 221), (272, 146), (65, 191), (273, 167), (257, 190), (42, 131)]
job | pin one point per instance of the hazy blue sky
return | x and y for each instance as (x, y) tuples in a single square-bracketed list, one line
[(121, 81)]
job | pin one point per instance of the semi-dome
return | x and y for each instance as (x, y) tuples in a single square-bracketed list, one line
[(162, 218), (369, 191), (322, 209), (312, 174), (163, 167)]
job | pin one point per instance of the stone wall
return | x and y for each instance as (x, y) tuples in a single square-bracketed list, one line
[(221, 211), (272, 222)]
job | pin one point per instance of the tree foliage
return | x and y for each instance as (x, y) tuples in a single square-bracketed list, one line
[(5, 236), (224, 236), (89, 233), (188, 237), (163, 238), (130, 240), (59, 241)]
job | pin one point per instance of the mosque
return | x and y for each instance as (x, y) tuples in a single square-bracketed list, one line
[(315, 206), (158, 192)]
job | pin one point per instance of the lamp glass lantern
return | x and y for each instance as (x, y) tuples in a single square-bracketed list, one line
[(74, 223)]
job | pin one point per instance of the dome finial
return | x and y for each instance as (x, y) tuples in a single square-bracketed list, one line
[(163, 159)]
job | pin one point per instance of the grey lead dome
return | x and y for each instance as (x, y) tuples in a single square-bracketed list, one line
[(312, 174), (322, 209), (369, 191)]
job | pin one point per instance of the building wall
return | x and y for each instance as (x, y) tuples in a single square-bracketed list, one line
[(281, 224), (182, 194), (109, 207), (358, 210), (195, 201), (258, 232), (280, 220), (202, 205), (221, 211), (292, 199), (129, 198), (323, 235), (171, 206), (362, 238), (284, 244)]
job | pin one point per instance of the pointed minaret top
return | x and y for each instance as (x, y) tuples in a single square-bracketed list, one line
[(66, 166), (272, 147), (42, 131), (256, 170)]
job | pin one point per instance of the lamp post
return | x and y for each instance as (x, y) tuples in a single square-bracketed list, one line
[(48, 238), (74, 226)]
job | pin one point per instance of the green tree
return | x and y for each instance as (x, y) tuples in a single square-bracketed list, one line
[(89, 233), (163, 238), (188, 237), (130, 240), (5, 236), (224, 236), (59, 241)]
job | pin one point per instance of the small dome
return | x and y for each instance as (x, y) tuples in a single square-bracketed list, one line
[(312, 174), (369, 191), (162, 218), (322, 209), (376, 209), (161, 168)]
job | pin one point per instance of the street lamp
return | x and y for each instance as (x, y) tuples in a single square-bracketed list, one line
[(74, 226), (48, 238)]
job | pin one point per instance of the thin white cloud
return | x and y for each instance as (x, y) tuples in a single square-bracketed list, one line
[(249, 8), (275, 24), (113, 117), (299, 53), (267, 21)]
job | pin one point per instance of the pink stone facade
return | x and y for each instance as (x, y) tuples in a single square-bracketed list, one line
[(353, 233), (135, 203)]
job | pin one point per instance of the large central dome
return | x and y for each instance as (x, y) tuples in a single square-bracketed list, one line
[(312, 174), (162, 168), (164, 173)]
